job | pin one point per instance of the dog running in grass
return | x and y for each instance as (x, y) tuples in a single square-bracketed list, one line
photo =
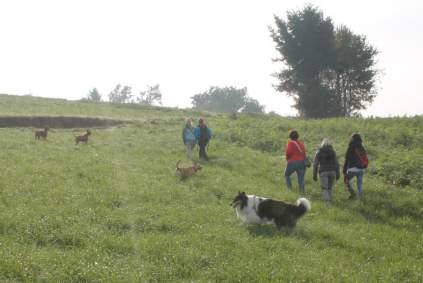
[(41, 134), (83, 138), (252, 209), (185, 172)]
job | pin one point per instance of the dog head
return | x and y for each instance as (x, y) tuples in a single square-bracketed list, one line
[(240, 200), (88, 132), (197, 167)]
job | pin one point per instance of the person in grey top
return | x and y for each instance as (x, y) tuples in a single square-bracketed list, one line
[(326, 164)]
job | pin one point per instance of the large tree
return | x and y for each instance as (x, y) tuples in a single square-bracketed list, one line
[(316, 67), (226, 99), (306, 43)]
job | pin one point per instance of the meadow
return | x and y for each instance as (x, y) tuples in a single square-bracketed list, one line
[(113, 210)]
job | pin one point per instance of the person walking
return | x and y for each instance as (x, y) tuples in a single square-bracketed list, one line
[(188, 137), (295, 154), (203, 135), (326, 164), (356, 162)]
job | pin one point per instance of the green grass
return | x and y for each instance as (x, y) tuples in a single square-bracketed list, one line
[(114, 211)]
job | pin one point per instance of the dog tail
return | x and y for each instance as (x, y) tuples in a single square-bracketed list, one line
[(304, 204), (177, 164)]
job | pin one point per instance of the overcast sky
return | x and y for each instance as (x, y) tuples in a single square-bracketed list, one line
[(55, 48)]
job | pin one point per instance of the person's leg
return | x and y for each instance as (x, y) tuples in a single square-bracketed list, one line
[(350, 175), (206, 157), (188, 148), (324, 185), (288, 171), (300, 176), (331, 182), (201, 150), (360, 184)]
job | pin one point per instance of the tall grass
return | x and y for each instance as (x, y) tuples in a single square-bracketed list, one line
[(114, 210)]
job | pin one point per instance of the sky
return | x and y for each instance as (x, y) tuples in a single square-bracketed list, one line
[(62, 49)]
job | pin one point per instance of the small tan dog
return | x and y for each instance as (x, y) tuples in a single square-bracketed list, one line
[(186, 172)]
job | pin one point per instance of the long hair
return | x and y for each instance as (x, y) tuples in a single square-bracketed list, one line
[(356, 139), (188, 123)]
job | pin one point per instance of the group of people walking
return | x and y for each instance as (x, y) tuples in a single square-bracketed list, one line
[(325, 165), (200, 135)]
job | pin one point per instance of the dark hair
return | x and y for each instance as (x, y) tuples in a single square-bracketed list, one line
[(356, 139), (293, 135)]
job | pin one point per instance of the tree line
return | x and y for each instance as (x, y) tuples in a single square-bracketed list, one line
[(123, 94), (215, 99)]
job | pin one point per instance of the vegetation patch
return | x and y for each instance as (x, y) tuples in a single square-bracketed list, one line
[(113, 210)]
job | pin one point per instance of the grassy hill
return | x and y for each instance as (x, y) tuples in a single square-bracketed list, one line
[(114, 211)]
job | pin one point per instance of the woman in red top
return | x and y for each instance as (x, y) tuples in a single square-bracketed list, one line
[(295, 156)]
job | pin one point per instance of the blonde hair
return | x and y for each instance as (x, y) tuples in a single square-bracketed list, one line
[(325, 142), (188, 122)]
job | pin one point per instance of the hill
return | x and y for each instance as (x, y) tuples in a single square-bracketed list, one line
[(114, 211)]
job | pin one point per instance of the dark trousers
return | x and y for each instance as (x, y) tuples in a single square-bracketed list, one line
[(203, 153)]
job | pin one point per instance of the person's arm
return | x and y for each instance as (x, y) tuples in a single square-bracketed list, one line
[(344, 169), (209, 132)]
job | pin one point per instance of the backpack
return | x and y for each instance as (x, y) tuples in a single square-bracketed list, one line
[(362, 157)]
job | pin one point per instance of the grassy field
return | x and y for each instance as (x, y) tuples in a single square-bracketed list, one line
[(114, 211)]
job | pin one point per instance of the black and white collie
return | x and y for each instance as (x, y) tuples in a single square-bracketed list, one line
[(252, 209)]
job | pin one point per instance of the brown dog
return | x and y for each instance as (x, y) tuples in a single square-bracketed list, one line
[(186, 172), (83, 138), (41, 134)]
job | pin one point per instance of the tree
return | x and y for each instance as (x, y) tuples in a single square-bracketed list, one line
[(355, 74), (327, 72), (94, 95), (150, 96), (120, 95), (226, 99), (252, 106), (306, 43)]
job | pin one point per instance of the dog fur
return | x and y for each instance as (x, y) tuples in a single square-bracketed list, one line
[(252, 209), (186, 172), (83, 138), (41, 134)]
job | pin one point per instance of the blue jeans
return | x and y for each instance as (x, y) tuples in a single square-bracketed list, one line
[(359, 176), (299, 168)]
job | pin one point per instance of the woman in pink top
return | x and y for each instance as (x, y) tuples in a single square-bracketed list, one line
[(295, 156)]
